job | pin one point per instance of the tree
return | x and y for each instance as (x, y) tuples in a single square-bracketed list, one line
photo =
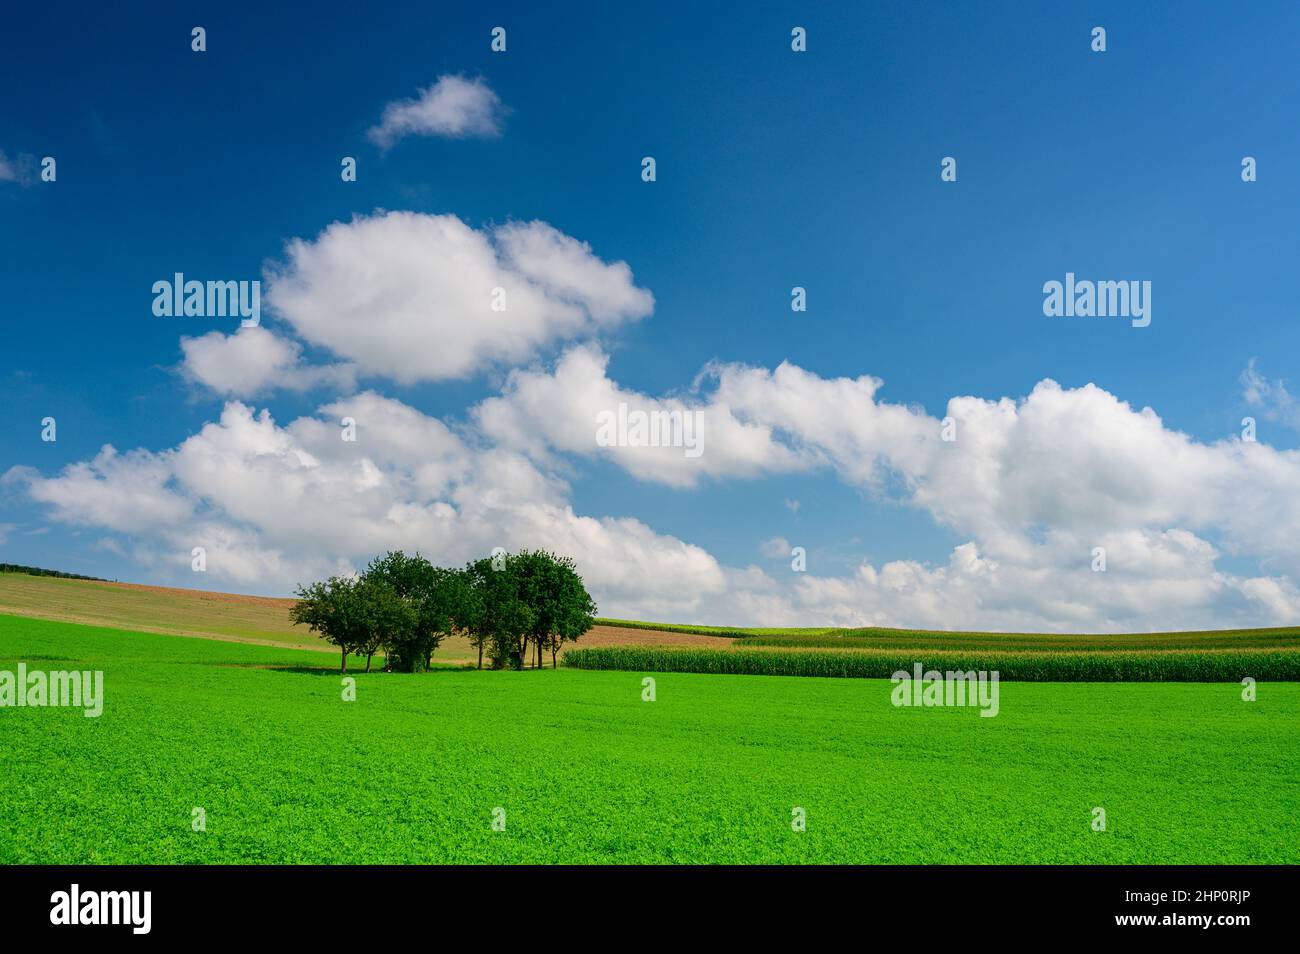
[(576, 612), (467, 608), (331, 609), (445, 597), (423, 589), (406, 607), (386, 620), (561, 607), (501, 617), (538, 587), (357, 614)]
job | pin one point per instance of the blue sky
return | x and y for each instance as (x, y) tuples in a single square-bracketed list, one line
[(774, 169)]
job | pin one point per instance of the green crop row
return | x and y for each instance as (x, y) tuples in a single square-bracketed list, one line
[(1050, 666)]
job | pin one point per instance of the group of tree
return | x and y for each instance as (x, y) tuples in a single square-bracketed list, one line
[(511, 607)]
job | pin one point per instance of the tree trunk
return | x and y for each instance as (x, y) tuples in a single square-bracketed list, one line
[(369, 657), (343, 668), (480, 655), (553, 658)]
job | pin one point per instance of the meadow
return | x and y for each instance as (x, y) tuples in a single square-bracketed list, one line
[(586, 771)]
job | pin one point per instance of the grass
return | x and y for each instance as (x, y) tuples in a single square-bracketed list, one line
[(1214, 665), (588, 772)]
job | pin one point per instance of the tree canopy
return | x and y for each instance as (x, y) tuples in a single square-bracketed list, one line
[(508, 605)]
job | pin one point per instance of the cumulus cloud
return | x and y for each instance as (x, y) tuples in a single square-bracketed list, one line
[(254, 361), (129, 492), (1034, 485), (418, 297), (540, 411), (453, 107), (1077, 461)]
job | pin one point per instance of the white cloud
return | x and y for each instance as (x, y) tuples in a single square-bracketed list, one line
[(410, 296), (126, 492), (253, 361), (1272, 398), (539, 411), (1076, 469), (453, 107), (1033, 485), (775, 548), (274, 506)]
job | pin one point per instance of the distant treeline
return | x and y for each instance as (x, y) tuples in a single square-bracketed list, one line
[(41, 571)]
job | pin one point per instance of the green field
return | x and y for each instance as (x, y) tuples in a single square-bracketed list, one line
[(587, 772)]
